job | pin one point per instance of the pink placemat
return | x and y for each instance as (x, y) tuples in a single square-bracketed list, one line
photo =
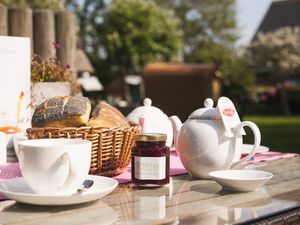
[(270, 156), (12, 170)]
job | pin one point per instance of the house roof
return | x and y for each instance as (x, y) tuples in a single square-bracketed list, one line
[(280, 14), (82, 62), (90, 83)]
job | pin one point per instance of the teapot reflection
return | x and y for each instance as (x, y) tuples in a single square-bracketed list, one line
[(251, 203), (214, 206)]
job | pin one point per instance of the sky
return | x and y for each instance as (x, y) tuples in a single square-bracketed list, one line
[(249, 15)]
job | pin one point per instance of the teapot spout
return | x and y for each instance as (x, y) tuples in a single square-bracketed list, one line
[(176, 124)]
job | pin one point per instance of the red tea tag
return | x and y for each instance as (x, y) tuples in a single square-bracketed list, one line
[(229, 115)]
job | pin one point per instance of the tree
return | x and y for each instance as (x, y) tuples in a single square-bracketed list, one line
[(204, 22), (236, 74), (209, 28), (36, 4), (121, 36), (278, 52), (89, 13), (14, 3), (135, 32)]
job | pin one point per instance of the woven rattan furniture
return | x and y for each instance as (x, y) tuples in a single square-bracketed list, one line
[(111, 147), (290, 216)]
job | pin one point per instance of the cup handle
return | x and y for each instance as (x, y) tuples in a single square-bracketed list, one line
[(66, 160), (257, 138)]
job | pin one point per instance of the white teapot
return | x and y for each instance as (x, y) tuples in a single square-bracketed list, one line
[(203, 144), (152, 120)]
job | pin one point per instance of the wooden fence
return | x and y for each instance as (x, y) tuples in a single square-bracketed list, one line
[(43, 27)]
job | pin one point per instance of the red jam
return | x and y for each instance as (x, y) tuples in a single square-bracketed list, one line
[(150, 164)]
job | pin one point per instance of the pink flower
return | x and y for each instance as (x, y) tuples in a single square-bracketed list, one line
[(50, 69), (56, 45)]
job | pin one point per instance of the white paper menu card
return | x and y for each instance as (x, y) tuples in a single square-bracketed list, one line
[(14, 81)]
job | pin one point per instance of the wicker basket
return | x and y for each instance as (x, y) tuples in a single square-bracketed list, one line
[(111, 147)]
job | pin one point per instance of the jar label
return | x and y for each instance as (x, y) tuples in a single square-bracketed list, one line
[(150, 168)]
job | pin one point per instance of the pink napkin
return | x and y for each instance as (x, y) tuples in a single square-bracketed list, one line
[(12, 170), (270, 156), (9, 171)]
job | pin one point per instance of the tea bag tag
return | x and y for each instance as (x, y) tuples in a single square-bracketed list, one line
[(229, 116)]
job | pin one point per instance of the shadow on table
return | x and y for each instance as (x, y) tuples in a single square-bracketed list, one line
[(80, 213), (22, 207)]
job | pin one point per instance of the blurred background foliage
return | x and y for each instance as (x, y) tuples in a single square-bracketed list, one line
[(278, 53), (35, 4), (204, 22), (121, 37), (135, 33), (237, 76)]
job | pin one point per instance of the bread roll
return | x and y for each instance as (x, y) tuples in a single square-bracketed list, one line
[(62, 111), (105, 115)]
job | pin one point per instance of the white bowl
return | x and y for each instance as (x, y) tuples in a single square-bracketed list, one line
[(240, 180), (247, 148)]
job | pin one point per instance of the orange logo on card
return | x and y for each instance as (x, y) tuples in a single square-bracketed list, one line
[(228, 112)]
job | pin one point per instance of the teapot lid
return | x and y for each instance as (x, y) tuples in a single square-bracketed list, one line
[(207, 113), (148, 109)]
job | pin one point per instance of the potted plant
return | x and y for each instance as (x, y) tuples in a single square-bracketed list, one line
[(49, 78)]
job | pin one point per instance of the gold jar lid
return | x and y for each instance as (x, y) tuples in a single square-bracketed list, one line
[(150, 137)]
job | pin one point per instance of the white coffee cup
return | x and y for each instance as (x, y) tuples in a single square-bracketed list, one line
[(16, 140), (54, 166)]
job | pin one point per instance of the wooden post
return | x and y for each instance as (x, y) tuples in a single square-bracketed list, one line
[(3, 20), (20, 23), (43, 33), (66, 38)]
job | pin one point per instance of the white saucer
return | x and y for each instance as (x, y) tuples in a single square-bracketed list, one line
[(247, 148), (17, 189), (241, 180)]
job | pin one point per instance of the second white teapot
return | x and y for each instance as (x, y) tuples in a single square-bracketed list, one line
[(152, 120)]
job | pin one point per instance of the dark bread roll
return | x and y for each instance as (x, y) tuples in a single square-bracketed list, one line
[(62, 111)]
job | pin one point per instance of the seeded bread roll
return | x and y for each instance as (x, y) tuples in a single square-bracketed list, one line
[(62, 111), (105, 115)]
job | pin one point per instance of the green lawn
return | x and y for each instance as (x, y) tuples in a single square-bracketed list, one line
[(279, 133)]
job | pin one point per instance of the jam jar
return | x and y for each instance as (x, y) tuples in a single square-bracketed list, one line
[(150, 163)]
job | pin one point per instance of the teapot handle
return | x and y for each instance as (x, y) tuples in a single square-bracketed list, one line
[(257, 138)]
